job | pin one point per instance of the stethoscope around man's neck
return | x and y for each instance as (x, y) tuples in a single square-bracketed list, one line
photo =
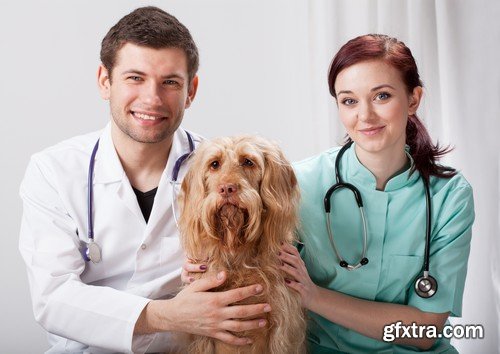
[(92, 251), (425, 285)]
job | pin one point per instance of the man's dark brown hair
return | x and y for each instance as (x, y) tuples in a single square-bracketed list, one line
[(149, 27)]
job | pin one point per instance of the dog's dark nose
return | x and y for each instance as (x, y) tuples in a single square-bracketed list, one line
[(227, 190)]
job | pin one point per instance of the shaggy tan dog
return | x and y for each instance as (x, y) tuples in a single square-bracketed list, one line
[(239, 203)]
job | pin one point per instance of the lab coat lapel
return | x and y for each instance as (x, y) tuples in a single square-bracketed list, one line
[(109, 170), (128, 197)]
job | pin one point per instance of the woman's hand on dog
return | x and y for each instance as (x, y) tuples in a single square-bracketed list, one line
[(198, 311), (191, 267), (297, 275)]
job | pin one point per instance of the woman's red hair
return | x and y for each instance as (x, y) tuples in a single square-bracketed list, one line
[(394, 52)]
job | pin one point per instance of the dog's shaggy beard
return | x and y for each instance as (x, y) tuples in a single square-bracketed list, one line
[(230, 223)]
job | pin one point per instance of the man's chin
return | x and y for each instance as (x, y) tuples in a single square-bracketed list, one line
[(149, 137), (144, 134)]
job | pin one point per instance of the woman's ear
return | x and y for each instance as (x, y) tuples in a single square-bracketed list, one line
[(415, 99)]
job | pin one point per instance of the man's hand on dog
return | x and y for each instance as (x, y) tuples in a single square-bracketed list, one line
[(198, 311)]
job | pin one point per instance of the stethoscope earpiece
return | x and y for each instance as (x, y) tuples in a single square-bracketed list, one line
[(426, 286)]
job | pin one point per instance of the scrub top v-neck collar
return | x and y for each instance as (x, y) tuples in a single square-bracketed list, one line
[(353, 171)]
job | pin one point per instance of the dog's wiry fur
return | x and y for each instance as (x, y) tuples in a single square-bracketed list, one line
[(242, 233)]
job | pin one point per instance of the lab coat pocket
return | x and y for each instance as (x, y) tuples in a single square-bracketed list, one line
[(398, 277)]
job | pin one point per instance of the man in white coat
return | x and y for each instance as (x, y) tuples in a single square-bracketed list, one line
[(122, 299)]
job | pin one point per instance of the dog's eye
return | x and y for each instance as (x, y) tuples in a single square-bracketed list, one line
[(247, 162), (214, 165)]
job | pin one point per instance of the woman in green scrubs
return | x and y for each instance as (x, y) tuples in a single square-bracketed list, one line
[(375, 82)]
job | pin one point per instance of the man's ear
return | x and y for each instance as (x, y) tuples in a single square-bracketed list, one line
[(104, 82), (415, 98), (193, 87)]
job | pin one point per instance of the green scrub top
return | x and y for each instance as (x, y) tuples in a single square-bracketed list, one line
[(395, 248)]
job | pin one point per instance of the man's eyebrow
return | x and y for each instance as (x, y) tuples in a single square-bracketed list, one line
[(133, 71), (138, 72), (173, 76)]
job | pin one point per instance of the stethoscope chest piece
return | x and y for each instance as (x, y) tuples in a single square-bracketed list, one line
[(93, 252), (426, 286)]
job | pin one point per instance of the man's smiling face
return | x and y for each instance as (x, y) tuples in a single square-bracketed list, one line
[(148, 90)]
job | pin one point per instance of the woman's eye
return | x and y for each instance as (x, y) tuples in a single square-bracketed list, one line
[(247, 162), (382, 96), (348, 101), (135, 78), (214, 165)]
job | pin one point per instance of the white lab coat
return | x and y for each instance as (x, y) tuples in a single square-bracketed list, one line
[(97, 304)]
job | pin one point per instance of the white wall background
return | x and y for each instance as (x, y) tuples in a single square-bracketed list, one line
[(263, 70)]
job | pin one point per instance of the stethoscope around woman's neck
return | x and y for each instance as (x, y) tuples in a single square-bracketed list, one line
[(425, 285), (92, 251)]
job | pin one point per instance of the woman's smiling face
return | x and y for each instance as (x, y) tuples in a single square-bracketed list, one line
[(374, 105)]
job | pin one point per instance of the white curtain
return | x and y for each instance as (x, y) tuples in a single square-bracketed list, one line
[(457, 48)]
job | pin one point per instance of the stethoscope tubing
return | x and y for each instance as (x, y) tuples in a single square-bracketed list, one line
[(357, 194), (359, 201), (427, 225), (175, 174), (90, 194)]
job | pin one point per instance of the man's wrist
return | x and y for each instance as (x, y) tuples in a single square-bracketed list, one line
[(152, 318)]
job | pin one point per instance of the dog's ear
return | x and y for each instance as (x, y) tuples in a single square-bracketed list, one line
[(280, 196), (192, 190)]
